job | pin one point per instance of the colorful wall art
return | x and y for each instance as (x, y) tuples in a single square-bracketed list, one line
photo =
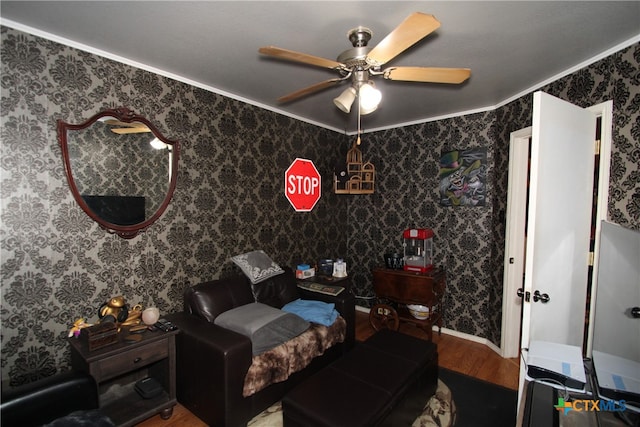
[(463, 175)]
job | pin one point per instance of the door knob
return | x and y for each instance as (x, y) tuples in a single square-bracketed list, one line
[(635, 312), (521, 293), (543, 298)]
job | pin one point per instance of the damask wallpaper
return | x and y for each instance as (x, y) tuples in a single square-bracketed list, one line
[(56, 264), (469, 241)]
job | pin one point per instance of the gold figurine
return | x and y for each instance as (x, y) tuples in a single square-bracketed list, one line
[(116, 310)]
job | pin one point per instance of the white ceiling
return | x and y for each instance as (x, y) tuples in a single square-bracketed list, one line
[(510, 47)]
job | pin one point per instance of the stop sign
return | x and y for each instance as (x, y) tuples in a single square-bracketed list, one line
[(302, 185)]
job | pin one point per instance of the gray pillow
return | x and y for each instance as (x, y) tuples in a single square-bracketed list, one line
[(257, 266), (265, 326)]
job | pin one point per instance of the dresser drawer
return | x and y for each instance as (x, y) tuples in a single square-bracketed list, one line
[(403, 287), (129, 360)]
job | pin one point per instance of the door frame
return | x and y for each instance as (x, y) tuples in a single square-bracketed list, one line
[(519, 142), (514, 237), (605, 112)]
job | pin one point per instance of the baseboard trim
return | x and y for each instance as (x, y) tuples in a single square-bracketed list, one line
[(456, 334)]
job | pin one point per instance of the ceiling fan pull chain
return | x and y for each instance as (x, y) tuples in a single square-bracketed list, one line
[(358, 100)]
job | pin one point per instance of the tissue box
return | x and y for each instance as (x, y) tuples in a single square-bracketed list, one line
[(305, 274)]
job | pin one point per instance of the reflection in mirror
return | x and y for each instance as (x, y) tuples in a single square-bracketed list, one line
[(121, 170)]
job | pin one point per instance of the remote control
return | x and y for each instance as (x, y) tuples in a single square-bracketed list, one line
[(165, 325)]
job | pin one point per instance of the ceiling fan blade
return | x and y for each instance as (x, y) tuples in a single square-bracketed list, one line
[(124, 131), (300, 57), (119, 123), (413, 29), (309, 90), (428, 74)]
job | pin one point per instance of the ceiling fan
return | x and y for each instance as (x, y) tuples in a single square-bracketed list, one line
[(360, 63)]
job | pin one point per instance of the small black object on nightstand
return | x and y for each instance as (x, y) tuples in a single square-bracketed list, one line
[(148, 388), (165, 325)]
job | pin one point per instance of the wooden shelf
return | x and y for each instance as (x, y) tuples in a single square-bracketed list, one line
[(130, 408)]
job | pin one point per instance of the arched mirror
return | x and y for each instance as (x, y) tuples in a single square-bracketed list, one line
[(122, 171)]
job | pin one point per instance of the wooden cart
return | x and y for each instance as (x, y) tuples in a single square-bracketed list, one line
[(395, 289)]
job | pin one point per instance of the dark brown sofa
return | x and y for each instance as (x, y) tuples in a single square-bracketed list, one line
[(69, 398), (212, 361)]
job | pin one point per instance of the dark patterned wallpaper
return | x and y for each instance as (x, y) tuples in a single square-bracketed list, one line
[(469, 241), (58, 265), (407, 162)]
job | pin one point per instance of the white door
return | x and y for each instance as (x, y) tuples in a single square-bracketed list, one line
[(559, 223), (516, 223)]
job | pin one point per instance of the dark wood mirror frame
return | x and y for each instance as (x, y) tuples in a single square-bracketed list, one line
[(126, 116)]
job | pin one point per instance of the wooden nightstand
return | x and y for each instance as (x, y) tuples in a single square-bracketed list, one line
[(117, 367)]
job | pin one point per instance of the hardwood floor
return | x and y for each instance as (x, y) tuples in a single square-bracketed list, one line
[(457, 354), (181, 418)]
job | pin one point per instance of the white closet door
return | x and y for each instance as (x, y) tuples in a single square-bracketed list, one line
[(559, 222)]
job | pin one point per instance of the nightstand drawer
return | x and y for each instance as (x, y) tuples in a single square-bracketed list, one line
[(132, 359)]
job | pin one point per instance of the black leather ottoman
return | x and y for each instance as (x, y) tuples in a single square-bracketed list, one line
[(363, 387)]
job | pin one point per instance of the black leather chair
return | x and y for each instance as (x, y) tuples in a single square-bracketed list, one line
[(51, 400)]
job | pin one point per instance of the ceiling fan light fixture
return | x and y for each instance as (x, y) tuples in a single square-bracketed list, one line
[(365, 111), (345, 100), (370, 98)]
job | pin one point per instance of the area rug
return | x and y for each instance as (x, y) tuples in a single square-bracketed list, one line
[(480, 403), (459, 400)]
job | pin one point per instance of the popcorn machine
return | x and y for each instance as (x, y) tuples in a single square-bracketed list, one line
[(418, 249)]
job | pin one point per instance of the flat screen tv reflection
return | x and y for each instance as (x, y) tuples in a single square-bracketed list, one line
[(118, 210)]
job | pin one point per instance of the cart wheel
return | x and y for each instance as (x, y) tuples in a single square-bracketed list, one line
[(383, 316)]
